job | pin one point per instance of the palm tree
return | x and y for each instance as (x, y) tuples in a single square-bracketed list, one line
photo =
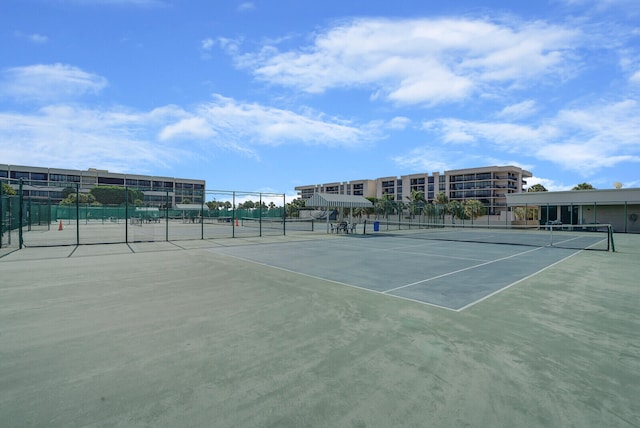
[(473, 209), (455, 209), (387, 204), (441, 203), (416, 202)]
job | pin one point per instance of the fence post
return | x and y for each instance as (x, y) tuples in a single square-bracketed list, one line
[(166, 216), (20, 214), (284, 215), (202, 216), (1, 215), (260, 214), (77, 213), (126, 214)]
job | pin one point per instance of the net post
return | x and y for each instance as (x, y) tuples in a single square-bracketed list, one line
[(610, 242), (202, 216)]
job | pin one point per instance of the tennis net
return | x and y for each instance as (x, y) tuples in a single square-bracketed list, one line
[(578, 237), (279, 223)]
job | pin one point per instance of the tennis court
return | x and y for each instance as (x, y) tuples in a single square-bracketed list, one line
[(448, 274), (319, 330)]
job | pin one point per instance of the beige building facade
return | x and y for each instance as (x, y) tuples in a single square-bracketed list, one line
[(490, 185), (47, 184)]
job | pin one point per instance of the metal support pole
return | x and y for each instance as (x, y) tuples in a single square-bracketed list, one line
[(77, 213), (166, 216), (1, 215), (20, 214), (625, 216), (260, 218), (126, 215), (202, 217)]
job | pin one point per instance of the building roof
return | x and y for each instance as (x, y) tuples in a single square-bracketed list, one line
[(576, 197), (192, 207), (337, 201)]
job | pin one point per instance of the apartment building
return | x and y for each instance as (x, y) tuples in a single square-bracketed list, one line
[(366, 188), (47, 184), (490, 185)]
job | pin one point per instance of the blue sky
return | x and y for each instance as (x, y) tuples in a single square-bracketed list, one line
[(268, 95)]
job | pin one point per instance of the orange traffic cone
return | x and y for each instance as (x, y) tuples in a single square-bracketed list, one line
[(237, 222), (60, 226)]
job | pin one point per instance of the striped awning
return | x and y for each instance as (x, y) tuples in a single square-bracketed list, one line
[(337, 201)]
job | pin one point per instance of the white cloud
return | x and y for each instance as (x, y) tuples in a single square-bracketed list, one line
[(207, 44), (582, 140), (257, 124), (34, 37), (548, 184), (246, 6), (144, 3), (129, 140), (190, 128), (432, 158), (635, 78), (518, 111), (44, 82), (75, 137), (425, 159), (399, 123), (420, 61)]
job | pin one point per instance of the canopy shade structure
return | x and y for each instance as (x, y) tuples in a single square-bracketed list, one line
[(337, 201), (192, 207)]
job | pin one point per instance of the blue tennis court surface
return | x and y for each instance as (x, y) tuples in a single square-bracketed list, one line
[(451, 275)]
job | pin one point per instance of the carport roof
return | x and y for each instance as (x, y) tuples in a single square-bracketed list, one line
[(337, 201), (192, 207)]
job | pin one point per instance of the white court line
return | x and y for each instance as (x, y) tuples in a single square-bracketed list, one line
[(461, 270), (400, 249), (516, 282), (332, 281)]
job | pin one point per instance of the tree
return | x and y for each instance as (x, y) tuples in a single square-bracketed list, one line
[(455, 209), (293, 208), (441, 199), (473, 208), (537, 188), (583, 186), (387, 204), (441, 205), (68, 191), (115, 195), (416, 202), (7, 190), (82, 198)]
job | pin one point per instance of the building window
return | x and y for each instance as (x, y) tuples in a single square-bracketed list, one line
[(111, 181), (19, 174), (40, 176)]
